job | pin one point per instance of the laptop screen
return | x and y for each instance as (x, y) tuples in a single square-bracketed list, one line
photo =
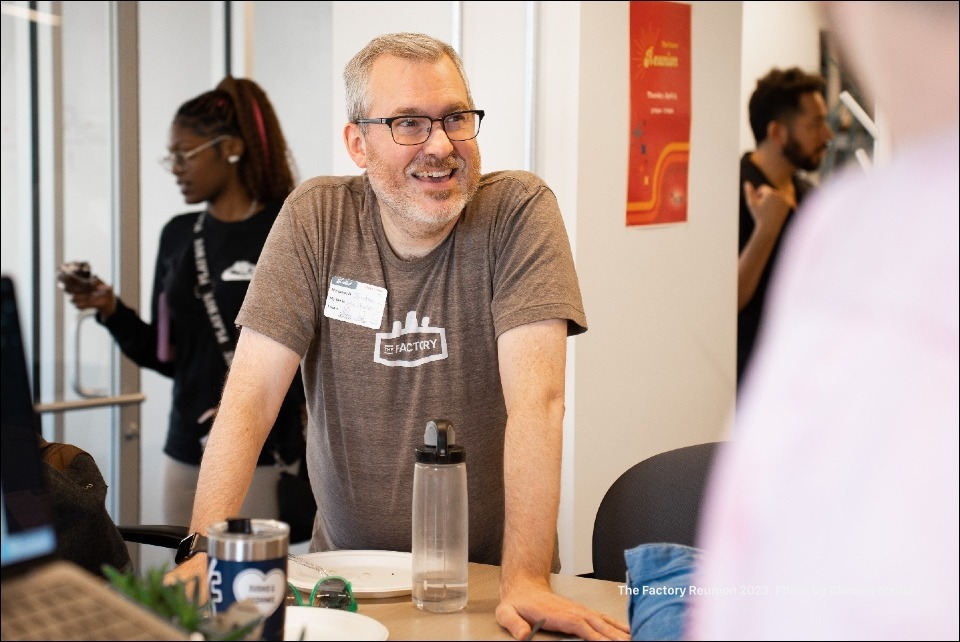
[(28, 530)]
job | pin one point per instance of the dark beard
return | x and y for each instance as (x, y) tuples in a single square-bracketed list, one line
[(792, 152)]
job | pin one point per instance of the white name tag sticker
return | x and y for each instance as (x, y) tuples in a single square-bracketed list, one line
[(355, 302)]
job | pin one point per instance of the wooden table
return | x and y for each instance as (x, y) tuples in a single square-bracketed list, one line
[(478, 622)]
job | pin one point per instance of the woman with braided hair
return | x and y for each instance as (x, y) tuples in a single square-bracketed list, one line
[(228, 153)]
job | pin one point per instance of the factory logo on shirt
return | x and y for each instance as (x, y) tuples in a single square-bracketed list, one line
[(239, 271), (412, 344)]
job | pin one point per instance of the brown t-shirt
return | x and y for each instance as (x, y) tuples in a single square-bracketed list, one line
[(433, 354)]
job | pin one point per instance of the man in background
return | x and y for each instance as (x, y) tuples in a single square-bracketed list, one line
[(833, 513), (788, 117)]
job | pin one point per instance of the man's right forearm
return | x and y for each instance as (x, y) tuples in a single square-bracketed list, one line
[(257, 383), (225, 473), (752, 262), (228, 464)]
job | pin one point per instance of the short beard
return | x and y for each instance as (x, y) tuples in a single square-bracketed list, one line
[(419, 222), (792, 152)]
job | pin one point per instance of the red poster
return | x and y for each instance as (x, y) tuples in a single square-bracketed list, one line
[(659, 112)]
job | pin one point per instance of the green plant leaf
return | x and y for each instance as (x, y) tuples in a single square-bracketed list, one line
[(182, 607)]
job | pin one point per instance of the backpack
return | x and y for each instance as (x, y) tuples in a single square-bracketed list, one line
[(86, 534)]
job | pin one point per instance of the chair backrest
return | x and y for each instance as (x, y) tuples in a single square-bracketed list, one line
[(656, 500)]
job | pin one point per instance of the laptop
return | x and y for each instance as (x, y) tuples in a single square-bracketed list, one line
[(43, 597)]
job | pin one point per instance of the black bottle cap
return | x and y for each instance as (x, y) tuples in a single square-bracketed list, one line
[(438, 444), (239, 525)]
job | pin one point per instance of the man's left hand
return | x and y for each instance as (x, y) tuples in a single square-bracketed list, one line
[(531, 602)]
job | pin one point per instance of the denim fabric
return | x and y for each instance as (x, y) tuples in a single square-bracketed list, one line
[(658, 579)]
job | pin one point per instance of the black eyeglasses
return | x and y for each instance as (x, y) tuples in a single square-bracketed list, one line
[(415, 130), (174, 159)]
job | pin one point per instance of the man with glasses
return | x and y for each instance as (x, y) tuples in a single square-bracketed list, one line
[(420, 289)]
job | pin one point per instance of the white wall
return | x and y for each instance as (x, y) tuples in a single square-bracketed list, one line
[(656, 369), (298, 83)]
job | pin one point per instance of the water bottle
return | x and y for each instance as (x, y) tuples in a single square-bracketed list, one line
[(440, 521)]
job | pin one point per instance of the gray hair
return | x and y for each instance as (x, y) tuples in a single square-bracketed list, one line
[(410, 46)]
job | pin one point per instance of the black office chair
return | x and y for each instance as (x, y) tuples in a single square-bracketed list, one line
[(656, 500), (163, 535)]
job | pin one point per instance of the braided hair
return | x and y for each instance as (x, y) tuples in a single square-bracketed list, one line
[(239, 107)]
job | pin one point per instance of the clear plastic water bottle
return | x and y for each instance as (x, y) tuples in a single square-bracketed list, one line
[(440, 521)]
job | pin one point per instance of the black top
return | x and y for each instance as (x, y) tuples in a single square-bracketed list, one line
[(748, 321), (198, 368)]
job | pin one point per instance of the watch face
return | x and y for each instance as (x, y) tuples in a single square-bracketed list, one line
[(188, 547)]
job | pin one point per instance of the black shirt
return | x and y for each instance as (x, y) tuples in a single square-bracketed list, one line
[(198, 368), (748, 320)]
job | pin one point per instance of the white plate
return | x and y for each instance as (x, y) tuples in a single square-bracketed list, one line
[(314, 623), (372, 574)]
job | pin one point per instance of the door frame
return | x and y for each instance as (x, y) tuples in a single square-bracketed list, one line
[(40, 151)]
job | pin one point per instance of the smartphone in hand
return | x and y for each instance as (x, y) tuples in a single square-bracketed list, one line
[(74, 277)]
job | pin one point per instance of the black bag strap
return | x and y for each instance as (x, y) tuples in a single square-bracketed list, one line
[(220, 329), (205, 290)]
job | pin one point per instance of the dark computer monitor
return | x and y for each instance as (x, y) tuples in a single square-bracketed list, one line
[(28, 534)]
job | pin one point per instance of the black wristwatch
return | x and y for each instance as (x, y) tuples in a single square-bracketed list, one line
[(189, 546)]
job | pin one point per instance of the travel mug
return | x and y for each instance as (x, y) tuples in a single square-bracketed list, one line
[(248, 560)]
